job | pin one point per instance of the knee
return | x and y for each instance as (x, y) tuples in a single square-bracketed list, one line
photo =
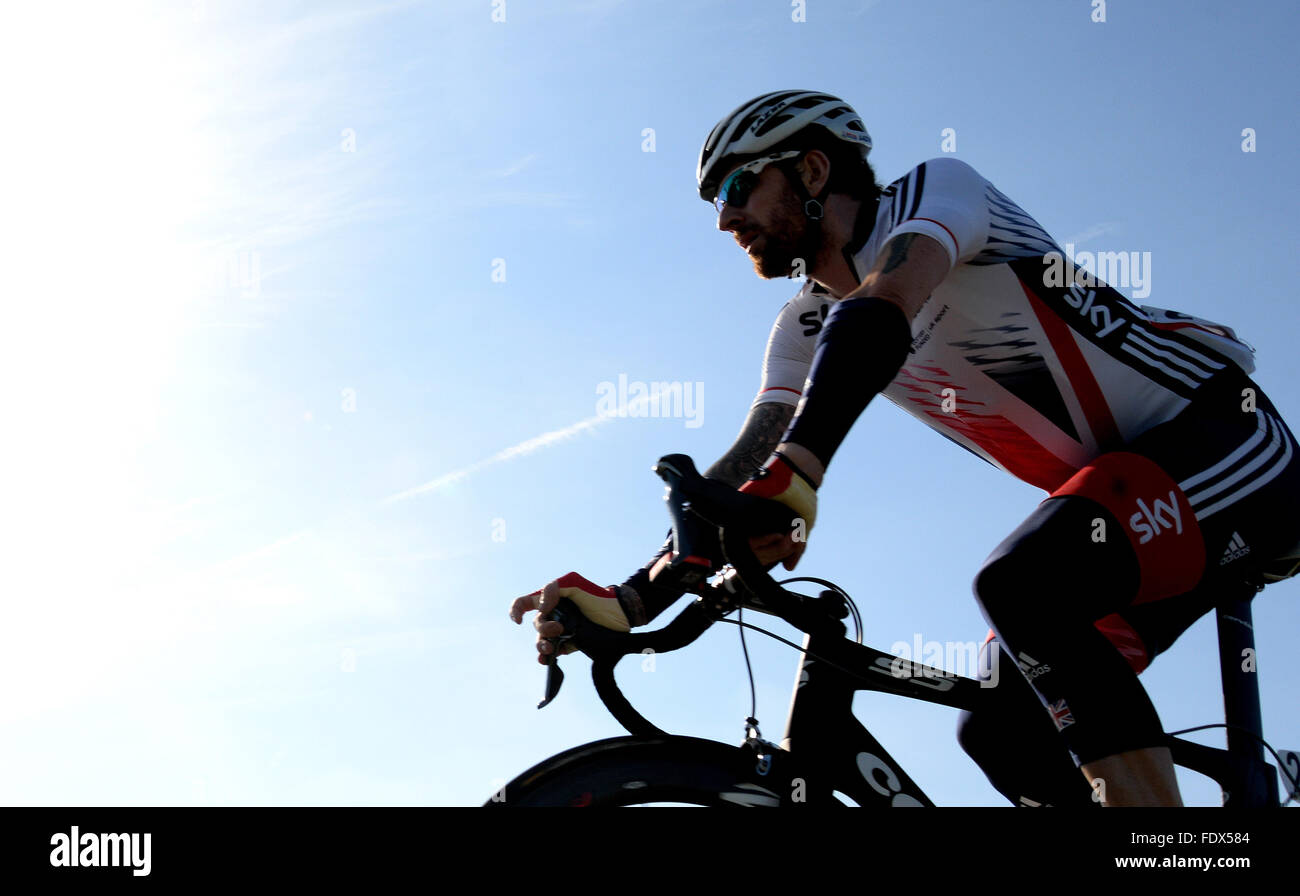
[(1021, 754), (1007, 579), (973, 735), (985, 741)]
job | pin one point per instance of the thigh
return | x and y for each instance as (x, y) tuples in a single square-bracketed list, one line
[(1212, 495), (1066, 559), (1063, 570), (1235, 460), (1205, 501)]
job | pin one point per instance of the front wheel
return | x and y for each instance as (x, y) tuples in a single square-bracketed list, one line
[(630, 771)]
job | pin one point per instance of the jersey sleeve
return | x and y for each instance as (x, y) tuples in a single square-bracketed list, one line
[(790, 349), (948, 201)]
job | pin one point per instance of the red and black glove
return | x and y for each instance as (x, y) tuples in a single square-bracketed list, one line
[(780, 480)]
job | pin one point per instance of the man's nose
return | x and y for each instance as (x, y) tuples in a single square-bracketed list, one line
[(728, 218)]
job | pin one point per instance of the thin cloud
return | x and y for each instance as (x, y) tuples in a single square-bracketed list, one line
[(281, 38), (1093, 232), (526, 447), (521, 449), (514, 168), (521, 197)]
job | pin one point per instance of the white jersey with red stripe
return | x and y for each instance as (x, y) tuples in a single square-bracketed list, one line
[(1013, 357)]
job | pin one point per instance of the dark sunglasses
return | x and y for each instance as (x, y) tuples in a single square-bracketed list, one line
[(739, 184)]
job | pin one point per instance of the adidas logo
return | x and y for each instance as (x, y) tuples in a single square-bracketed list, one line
[(1031, 667), (1237, 548)]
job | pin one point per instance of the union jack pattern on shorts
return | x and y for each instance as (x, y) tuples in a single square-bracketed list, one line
[(1061, 714)]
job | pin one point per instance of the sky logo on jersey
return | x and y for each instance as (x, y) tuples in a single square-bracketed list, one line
[(814, 321), (1151, 520), (1099, 314)]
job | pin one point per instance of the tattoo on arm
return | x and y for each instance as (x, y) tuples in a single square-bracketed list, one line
[(898, 247), (761, 434)]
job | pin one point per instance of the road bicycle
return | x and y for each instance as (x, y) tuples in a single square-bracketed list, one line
[(826, 757)]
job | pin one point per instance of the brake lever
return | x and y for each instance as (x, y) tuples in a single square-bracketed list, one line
[(554, 678), (554, 674)]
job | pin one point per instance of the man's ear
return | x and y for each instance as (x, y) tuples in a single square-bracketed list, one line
[(814, 169)]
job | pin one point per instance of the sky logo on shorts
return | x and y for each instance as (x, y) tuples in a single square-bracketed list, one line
[(1152, 520)]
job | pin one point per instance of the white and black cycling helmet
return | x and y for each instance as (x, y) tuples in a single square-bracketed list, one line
[(755, 127)]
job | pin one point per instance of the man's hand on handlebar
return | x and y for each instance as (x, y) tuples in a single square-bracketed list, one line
[(778, 548), (781, 480), (597, 603)]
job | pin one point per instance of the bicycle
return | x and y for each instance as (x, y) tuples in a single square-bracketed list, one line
[(826, 753)]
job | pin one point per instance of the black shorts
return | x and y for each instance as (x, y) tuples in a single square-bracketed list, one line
[(1234, 514), (1208, 502)]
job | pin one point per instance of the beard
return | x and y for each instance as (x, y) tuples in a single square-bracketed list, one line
[(787, 239)]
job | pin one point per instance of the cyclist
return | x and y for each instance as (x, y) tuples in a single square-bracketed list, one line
[(1168, 471)]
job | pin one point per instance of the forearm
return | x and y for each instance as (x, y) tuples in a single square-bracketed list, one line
[(756, 442), (861, 350), (866, 340)]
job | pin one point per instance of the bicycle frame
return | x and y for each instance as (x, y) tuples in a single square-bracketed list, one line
[(826, 750), (823, 733)]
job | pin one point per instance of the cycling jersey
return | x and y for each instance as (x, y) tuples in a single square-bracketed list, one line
[(1012, 357)]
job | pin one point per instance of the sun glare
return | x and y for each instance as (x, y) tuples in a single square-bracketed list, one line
[(108, 177)]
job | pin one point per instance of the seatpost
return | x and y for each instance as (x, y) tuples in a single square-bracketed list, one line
[(1240, 687), (1253, 781)]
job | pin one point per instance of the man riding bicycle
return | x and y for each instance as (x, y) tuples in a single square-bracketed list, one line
[(1169, 473)]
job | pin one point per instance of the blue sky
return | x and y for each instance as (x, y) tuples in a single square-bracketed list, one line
[(311, 304)]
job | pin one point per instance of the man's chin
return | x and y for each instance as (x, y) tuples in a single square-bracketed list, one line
[(770, 268)]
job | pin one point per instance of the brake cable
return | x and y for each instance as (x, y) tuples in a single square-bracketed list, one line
[(752, 721), (853, 608), (739, 622)]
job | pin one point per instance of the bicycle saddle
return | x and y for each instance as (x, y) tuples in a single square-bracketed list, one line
[(1282, 567)]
